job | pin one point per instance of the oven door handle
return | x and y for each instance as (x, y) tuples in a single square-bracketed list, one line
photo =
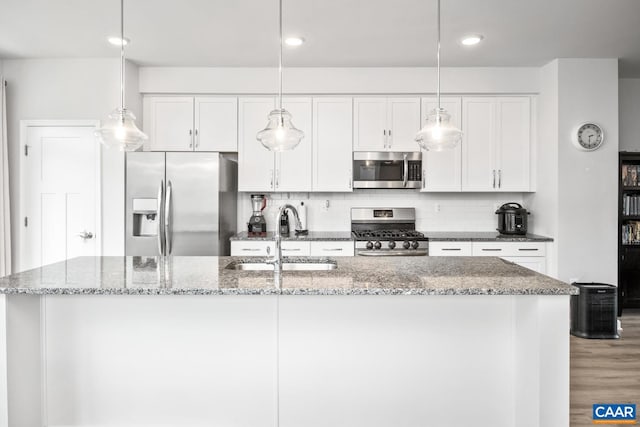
[(413, 252), (406, 170)]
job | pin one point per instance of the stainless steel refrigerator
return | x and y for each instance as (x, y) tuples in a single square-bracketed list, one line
[(180, 203)]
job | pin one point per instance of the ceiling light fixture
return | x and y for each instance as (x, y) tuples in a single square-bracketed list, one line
[(117, 41), (294, 41), (472, 40), (120, 129), (438, 133), (280, 134)]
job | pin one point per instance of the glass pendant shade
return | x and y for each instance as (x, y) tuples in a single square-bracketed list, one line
[(120, 131), (438, 133), (280, 133)]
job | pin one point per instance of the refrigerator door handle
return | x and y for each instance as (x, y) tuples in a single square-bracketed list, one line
[(161, 218), (168, 226)]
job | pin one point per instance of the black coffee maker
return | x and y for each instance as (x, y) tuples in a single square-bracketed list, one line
[(257, 223)]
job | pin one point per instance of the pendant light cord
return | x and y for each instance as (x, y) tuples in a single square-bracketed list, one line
[(122, 55), (280, 60), (438, 58)]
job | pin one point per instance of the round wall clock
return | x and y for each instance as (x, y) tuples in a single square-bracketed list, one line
[(588, 136)]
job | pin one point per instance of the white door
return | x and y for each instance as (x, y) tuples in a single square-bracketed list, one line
[(403, 123), (370, 124), (216, 124), (168, 120), (255, 163), (442, 170), (293, 168), (332, 142), (478, 144), (59, 190), (514, 135)]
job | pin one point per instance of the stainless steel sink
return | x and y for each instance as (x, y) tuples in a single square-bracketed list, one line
[(310, 265)]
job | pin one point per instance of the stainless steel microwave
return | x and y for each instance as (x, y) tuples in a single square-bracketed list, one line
[(387, 170)]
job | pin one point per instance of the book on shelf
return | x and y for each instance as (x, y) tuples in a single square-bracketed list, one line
[(631, 233), (630, 175)]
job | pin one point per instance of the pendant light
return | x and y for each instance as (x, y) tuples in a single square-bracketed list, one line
[(280, 133), (120, 129), (438, 133)]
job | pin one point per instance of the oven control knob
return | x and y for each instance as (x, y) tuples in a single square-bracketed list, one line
[(415, 244), (392, 244), (369, 244), (377, 245), (406, 244)]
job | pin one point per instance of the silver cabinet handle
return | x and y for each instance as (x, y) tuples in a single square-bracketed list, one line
[(251, 249), (291, 249), (197, 139), (86, 235), (271, 182), (384, 133), (424, 178), (161, 218), (451, 249), (190, 138), (405, 178), (332, 249), (268, 250), (491, 250), (168, 226), (499, 178), (350, 177), (494, 178), (277, 178), (390, 139), (528, 249)]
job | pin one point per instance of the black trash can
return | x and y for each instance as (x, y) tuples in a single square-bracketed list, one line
[(594, 311)]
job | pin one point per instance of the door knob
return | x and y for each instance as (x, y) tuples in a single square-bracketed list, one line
[(86, 235)]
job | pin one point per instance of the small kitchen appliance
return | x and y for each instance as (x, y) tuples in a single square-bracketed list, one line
[(284, 224), (387, 170), (594, 311), (387, 232), (257, 223), (512, 219)]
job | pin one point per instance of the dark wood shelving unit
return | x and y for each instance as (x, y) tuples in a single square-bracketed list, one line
[(628, 252)]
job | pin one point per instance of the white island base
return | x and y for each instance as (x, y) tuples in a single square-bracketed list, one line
[(290, 361)]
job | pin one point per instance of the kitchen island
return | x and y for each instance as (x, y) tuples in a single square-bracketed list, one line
[(185, 341)]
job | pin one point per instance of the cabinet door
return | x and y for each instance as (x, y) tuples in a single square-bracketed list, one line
[(332, 248), (168, 120), (450, 249), (255, 163), (403, 122), (370, 124), (293, 248), (216, 124), (442, 170), (478, 142), (252, 248), (537, 264), (293, 168), (332, 142), (513, 149)]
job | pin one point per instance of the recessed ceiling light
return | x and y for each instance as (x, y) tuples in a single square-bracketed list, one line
[(294, 41), (117, 41), (471, 40)]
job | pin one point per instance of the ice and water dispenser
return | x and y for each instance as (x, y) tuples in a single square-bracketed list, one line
[(145, 217)]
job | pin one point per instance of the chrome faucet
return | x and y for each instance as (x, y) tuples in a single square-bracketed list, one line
[(277, 256)]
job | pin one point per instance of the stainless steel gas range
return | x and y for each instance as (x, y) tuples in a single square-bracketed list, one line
[(387, 232)]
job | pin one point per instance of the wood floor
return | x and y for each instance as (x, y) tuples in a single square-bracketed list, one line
[(605, 371)]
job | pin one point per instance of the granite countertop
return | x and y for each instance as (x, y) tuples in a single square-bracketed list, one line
[(482, 236), (354, 276), (312, 235)]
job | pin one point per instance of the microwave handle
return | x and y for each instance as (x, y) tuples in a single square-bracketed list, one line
[(406, 170)]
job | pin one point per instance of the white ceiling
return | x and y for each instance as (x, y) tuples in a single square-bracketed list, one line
[(349, 33)]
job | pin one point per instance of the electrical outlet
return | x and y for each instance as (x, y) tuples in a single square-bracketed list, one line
[(325, 205), (437, 207)]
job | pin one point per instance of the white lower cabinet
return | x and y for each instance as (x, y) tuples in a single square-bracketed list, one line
[(328, 248), (450, 249), (531, 255), (332, 248)]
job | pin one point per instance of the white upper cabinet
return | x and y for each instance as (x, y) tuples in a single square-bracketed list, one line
[(262, 170), (442, 170), (216, 124), (496, 143), (332, 142), (168, 121), (256, 164), (385, 124), (205, 123)]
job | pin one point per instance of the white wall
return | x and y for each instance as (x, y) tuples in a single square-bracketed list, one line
[(434, 212), (338, 80), (629, 114), (578, 197), (71, 89)]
